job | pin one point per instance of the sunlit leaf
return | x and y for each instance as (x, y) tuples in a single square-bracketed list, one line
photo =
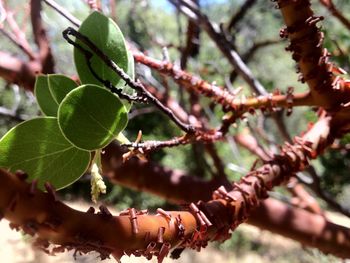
[(106, 35), (50, 91), (90, 117), (38, 147)]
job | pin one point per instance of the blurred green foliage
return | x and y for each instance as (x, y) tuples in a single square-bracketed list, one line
[(336, 176)]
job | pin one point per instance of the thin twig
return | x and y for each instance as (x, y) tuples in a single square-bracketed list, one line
[(16, 35), (215, 33), (76, 22), (192, 44), (197, 136), (240, 14), (136, 85), (138, 112), (336, 12), (18, 43), (222, 42), (88, 55), (249, 54), (220, 95)]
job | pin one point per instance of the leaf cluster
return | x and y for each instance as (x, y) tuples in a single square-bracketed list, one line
[(78, 120)]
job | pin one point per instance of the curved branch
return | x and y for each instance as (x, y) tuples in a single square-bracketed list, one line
[(249, 54), (240, 14), (257, 46)]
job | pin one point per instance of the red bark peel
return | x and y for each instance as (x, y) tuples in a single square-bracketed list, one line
[(175, 186), (306, 39), (229, 100), (57, 223), (141, 234), (84, 231)]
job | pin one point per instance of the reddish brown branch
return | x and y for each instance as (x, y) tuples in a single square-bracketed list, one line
[(336, 12), (227, 99), (173, 185), (22, 72), (40, 37), (133, 233), (309, 229), (94, 4), (171, 103), (38, 213), (247, 141), (17, 36), (270, 215), (55, 222), (313, 60), (301, 198)]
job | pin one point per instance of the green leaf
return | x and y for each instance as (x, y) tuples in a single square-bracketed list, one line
[(131, 72), (44, 98), (90, 117), (50, 91), (60, 86), (106, 35), (38, 147)]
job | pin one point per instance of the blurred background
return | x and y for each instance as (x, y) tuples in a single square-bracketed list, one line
[(157, 28)]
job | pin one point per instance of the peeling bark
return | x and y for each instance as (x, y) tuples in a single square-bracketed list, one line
[(136, 232), (306, 40)]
